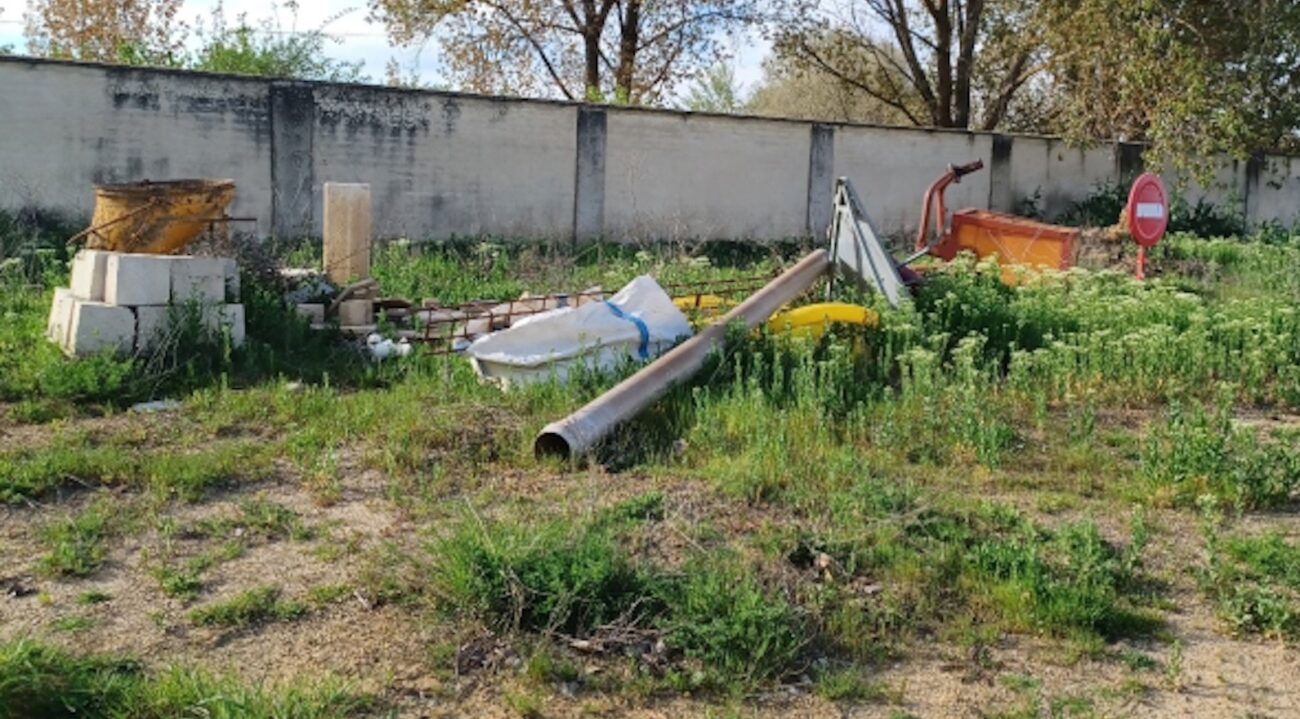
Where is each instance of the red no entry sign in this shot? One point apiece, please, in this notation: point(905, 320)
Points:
point(1148, 210)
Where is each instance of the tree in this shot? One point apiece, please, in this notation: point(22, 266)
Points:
point(269, 50)
point(943, 63)
point(1191, 77)
point(105, 30)
point(794, 88)
point(716, 91)
point(634, 51)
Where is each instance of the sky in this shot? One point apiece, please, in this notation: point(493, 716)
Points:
point(357, 38)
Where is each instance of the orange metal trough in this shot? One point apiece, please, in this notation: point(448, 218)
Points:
point(1014, 241)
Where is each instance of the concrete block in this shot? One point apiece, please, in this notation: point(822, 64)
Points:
point(56, 330)
point(198, 279)
point(313, 312)
point(152, 324)
point(347, 227)
point(88, 274)
point(230, 270)
point(221, 318)
point(98, 327)
point(131, 280)
point(356, 312)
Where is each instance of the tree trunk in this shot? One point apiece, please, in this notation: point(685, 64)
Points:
point(970, 19)
point(943, 63)
point(591, 29)
point(629, 38)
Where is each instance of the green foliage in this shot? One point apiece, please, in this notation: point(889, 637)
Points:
point(1253, 581)
point(719, 616)
point(575, 578)
point(270, 50)
point(32, 473)
point(40, 681)
point(848, 685)
point(1103, 206)
point(715, 91)
point(560, 577)
point(254, 606)
point(1196, 452)
point(77, 543)
point(1194, 79)
point(1065, 581)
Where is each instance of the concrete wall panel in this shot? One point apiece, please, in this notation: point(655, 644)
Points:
point(67, 127)
point(891, 169)
point(1059, 173)
point(671, 176)
point(443, 165)
point(1275, 197)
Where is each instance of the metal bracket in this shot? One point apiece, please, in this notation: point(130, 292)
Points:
point(856, 247)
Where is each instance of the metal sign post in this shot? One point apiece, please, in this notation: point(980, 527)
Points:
point(1147, 216)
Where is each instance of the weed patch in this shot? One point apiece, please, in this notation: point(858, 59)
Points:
point(1197, 452)
point(252, 607)
point(77, 543)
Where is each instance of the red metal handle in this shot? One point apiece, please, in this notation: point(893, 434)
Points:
point(960, 171)
point(934, 198)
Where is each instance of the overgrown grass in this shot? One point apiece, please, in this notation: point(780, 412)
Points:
point(1198, 451)
point(1253, 581)
point(858, 453)
point(40, 681)
point(30, 473)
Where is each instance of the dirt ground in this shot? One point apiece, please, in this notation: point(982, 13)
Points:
point(1193, 668)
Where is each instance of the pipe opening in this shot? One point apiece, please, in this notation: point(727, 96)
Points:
point(551, 444)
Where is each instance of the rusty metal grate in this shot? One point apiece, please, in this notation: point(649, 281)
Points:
point(443, 330)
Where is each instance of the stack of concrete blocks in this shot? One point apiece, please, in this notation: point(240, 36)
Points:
point(123, 303)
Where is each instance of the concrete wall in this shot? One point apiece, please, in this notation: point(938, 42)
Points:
point(1058, 173)
point(446, 164)
point(892, 168)
point(66, 127)
point(683, 176)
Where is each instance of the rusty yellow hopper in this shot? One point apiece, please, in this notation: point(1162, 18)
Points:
point(156, 217)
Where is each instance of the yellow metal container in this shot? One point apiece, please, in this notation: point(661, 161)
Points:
point(157, 218)
point(811, 320)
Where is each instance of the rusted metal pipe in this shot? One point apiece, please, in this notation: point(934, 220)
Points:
point(580, 431)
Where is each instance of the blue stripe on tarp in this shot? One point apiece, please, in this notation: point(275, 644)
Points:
point(642, 351)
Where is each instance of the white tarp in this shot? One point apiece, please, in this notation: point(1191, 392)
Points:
point(639, 322)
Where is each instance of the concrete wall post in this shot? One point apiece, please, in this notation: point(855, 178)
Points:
point(1250, 193)
point(293, 120)
point(821, 180)
point(1000, 181)
point(1128, 162)
point(589, 181)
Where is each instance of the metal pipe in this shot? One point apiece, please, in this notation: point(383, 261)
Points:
point(581, 430)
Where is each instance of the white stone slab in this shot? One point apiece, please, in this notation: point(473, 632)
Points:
point(56, 330)
point(98, 327)
point(131, 280)
point(88, 274)
point(198, 279)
